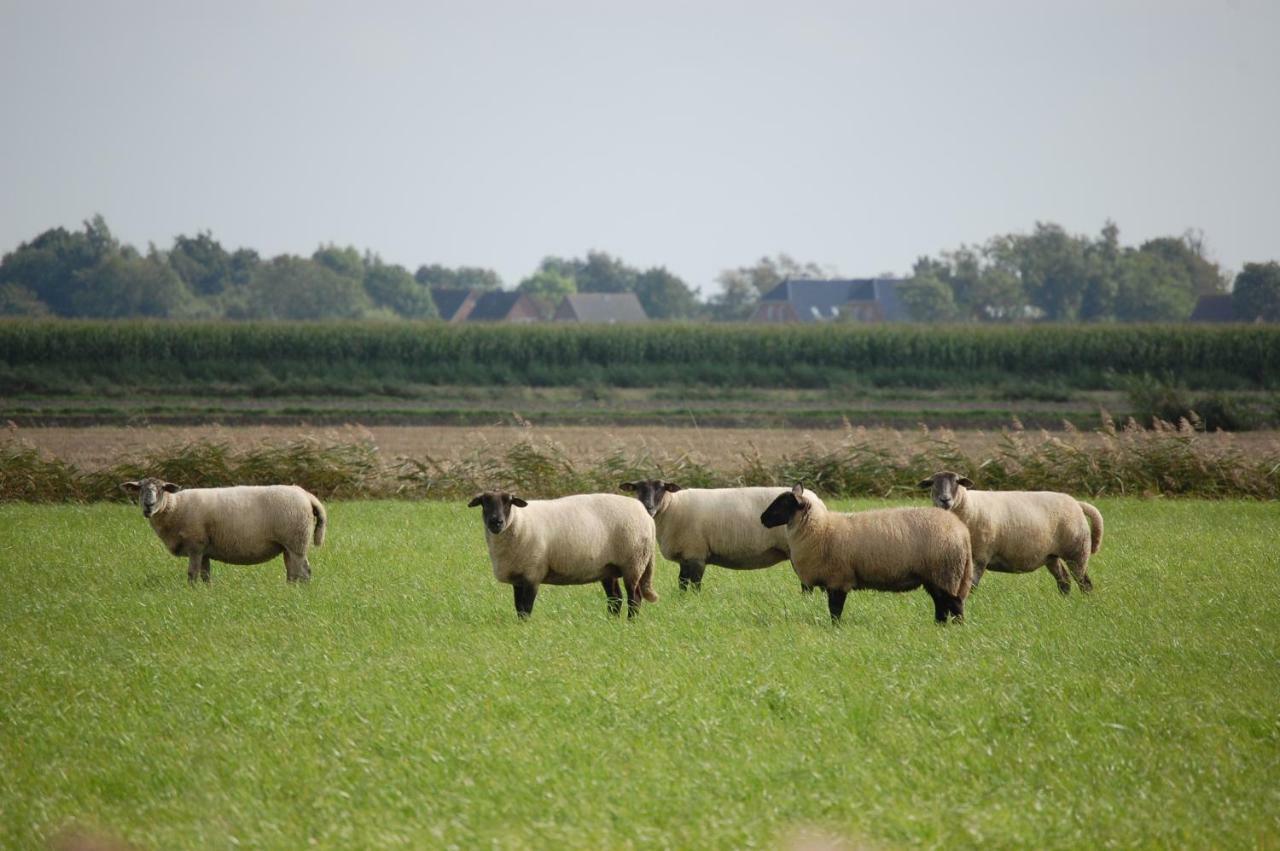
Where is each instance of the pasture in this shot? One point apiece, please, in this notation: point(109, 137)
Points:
point(396, 701)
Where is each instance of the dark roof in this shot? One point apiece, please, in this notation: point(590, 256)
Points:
point(494, 305)
point(815, 300)
point(602, 307)
point(448, 300)
point(1213, 308)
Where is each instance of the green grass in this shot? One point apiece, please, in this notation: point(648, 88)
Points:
point(397, 702)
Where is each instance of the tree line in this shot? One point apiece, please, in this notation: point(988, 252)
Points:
point(1048, 274)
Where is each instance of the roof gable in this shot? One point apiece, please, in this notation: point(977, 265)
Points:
point(602, 307)
point(816, 300)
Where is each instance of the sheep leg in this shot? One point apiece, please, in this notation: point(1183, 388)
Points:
point(633, 598)
point(613, 594)
point(955, 606)
point(295, 567)
point(193, 567)
point(941, 603)
point(1054, 564)
point(204, 568)
point(1079, 569)
point(691, 574)
point(835, 603)
point(979, 568)
point(524, 595)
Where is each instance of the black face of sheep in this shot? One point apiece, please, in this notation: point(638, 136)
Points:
point(650, 492)
point(786, 506)
point(943, 485)
point(496, 506)
point(150, 493)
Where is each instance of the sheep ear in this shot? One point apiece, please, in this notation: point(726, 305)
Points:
point(170, 487)
point(797, 490)
point(628, 486)
point(964, 481)
point(671, 487)
point(474, 501)
point(518, 502)
point(130, 487)
point(927, 484)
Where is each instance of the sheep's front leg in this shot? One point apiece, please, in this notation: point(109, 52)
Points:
point(691, 574)
point(613, 594)
point(194, 562)
point(835, 603)
point(204, 568)
point(524, 596)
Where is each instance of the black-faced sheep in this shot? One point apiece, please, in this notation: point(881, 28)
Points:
point(573, 540)
point(1018, 531)
point(236, 525)
point(892, 549)
point(721, 526)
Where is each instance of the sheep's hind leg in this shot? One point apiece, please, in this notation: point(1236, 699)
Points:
point(204, 569)
point(941, 603)
point(296, 568)
point(691, 574)
point(1079, 569)
point(978, 570)
point(1054, 564)
point(613, 594)
point(524, 596)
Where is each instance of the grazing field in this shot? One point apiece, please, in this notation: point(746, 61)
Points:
point(397, 702)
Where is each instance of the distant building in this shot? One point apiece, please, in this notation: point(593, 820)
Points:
point(814, 300)
point(453, 305)
point(1213, 308)
point(503, 306)
point(608, 308)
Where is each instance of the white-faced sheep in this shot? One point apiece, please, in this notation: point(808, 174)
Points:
point(1018, 531)
point(572, 540)
point(236, 525)
point(721, 526)
point(892, 549)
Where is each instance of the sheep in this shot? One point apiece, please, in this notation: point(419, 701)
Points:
point(697, 527)
point(236, 525)
point(892, 549)
point(1018, 531)
point(573, 540)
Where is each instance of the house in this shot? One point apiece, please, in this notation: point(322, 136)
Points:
point(503, 306)
point(814, 300)
point(607, 308)
point(454, 305)
point(1213, 308)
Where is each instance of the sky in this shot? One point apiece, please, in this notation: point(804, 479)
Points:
point(698, 136)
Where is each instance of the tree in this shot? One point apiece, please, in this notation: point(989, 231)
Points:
point(664, 295)
point(125, 284)
point(461, 278)
point(928, 298)
point(291, 287)
point(17, 300)
point(742, 287)
point(547, 287)
point(1103, 282)
point(342, 261)
point(201, 262)
point(392, 287)
point(1153, 289)
point(1187, 251)
point(49, 265)
point(1053, 269)
point(1257, 293)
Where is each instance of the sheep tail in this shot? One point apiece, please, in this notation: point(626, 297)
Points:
point(1095, 526)
point(646, 582)
point(322, 520)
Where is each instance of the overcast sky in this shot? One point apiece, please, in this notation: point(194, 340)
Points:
point(695, 135)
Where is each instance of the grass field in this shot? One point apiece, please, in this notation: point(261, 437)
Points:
point(397, 702)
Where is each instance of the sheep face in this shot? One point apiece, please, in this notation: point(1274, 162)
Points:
point(650, 492)
point(784, 508)
point(496, 507)
point(152, 493)
point(945, 488)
